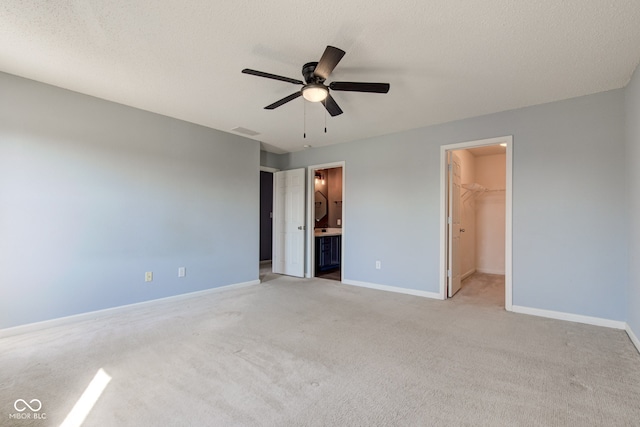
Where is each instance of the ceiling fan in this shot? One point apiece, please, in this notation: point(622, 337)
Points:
point(315, 74)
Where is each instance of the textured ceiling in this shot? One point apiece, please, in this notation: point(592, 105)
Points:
point(445, 59)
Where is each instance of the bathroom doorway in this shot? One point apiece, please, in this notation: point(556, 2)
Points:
point(325, 221)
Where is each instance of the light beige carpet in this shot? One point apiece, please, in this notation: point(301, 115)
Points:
point(295, 352)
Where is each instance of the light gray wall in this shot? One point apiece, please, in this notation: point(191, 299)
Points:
point(270, 160)
point(93, 194)
point(632, 98)
point(569, 209)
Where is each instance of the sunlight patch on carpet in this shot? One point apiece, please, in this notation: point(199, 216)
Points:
point(89, 398)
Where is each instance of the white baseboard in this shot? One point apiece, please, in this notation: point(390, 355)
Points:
point(632, 336)
point(578, 318)
point(97, 314)
point(407, 291)
point(489, 271)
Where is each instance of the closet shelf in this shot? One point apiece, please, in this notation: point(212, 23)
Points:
point(476, 189)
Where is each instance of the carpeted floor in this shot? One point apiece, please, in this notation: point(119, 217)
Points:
point(293, 352)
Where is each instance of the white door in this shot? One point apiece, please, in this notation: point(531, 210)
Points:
point(453, 264)
point(288, 204)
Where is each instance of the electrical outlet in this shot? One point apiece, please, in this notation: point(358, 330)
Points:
point(148, 276)
point(378, 265)
point(182, 271)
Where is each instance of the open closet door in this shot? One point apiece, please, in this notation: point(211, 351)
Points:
point(453, 220)
point(288, 215)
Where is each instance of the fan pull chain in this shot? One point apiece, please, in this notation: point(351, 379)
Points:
point(304, 108)
point(325, 115)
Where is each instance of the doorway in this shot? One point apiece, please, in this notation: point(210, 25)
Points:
point(325, 221)
point(266, 220)
point(266, 215)
point(476, 216)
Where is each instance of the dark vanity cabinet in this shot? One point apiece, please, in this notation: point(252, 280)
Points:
point(328, 252)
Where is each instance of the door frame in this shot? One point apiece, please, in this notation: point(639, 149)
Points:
point(272, 171)
point(268, 169)
point(311, 247)
point(508, 233)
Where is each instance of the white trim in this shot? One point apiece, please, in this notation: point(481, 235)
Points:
point(508, 254)
point(415, 292)
point(508, 229)
point(632, 336)
point(443, 222)
point(268, 169)
point(310, 244)
point(478, 143)
point(274, 212)
point(98, 314)
point(578, 318)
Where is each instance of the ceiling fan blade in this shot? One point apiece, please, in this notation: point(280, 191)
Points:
point(271, 76)
point(360, 87)
point(283, 101)
point(330, 58)
point(331, 106)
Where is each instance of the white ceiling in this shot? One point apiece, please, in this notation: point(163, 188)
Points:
point(445, 59)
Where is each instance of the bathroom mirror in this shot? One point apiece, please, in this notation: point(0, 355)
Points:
point(321, 205)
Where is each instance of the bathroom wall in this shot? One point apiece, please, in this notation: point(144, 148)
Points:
point(335, 197)
point(322, 185)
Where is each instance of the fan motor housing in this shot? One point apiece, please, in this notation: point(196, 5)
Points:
point(307, 73)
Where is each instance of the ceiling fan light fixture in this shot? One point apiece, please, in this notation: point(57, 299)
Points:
point(315, 92)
